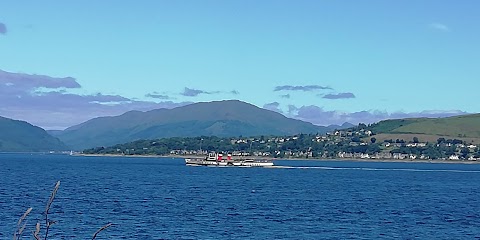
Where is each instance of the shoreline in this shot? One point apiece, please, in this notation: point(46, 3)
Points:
point(296, 159)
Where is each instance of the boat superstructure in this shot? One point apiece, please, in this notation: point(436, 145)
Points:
point(218, 160)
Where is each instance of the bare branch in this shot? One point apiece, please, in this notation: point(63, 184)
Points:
point(37, 231)
point(49, 204)
point(20, 228)
point(101, 229)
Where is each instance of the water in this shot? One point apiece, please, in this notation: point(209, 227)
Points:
point(160, 198)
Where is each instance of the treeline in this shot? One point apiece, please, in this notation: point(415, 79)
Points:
point(303, 145)
point(265, 145)
point(436, 152)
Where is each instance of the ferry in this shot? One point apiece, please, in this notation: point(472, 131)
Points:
point(218, 160)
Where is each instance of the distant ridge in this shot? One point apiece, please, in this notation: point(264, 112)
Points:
point(217, 118)
point(20, 136)
point(343, 126)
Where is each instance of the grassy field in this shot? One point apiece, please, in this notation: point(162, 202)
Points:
point(465, 127)
point(407, 137)
point(462, 126)
point(391, 125)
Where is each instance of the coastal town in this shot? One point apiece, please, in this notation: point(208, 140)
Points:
point(353, 143)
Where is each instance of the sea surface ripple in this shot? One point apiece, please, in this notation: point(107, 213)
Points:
point(161, 198)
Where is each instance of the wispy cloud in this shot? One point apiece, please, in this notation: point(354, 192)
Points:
point(43, 101)
point(274, 106)
point(3, 29)
point(234, 92)
point(285, 96)
point(190, 92)
point(339, 96)
point(439, 27)
point(21, 82)
point(157, 96)
point(317, 115)
point(305, 88)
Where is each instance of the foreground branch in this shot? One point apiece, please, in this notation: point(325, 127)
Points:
point(101, 229)
point(20, 228)
point(49, 204)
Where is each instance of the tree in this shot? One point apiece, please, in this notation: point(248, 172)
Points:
point(415, 140)
point(374, 148)
point(373, 140)
point(432, 152)
point(449, 151)
point(477, 153)
point(464, 152)
point(457, 141)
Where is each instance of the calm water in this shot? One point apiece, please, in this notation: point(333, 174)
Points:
point(155, 198)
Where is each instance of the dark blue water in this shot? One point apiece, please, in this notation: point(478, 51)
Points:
point(160, 198)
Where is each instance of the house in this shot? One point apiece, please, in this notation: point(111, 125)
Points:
point(416, 145)
point(454, 157)
point(400, 156)
point(364, 155)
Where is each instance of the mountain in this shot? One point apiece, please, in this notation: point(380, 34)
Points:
point(466, 127)
point(54, 132)
point(20, 136)
point(339, 127)
point(218, 118)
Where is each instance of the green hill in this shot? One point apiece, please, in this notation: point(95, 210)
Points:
point(219, 118)
point(464, 127)
point(20, 136)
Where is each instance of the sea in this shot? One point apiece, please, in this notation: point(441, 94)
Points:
point(161, 198)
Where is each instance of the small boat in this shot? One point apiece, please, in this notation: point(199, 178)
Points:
point(218, 160)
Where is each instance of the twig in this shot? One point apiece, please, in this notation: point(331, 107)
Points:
point(48, 223)
point(101, 229)
point(18, 233)
point(37, 231)
point(49, 203)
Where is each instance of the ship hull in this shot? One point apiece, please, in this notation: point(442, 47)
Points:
point(225, 163)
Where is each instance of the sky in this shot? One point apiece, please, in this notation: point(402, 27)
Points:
point(321, 61)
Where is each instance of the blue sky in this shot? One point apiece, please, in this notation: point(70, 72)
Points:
point(327, 62)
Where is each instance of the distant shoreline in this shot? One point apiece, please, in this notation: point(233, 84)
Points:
point(293, 159)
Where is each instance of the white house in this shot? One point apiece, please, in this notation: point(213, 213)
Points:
point(453, 157)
